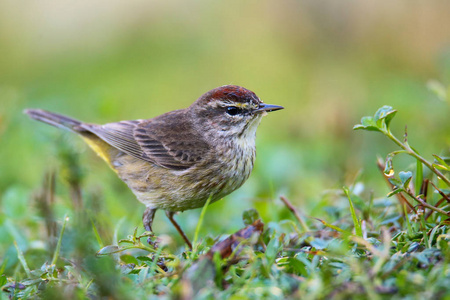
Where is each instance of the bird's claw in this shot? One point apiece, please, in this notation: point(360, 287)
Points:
point(151, 238)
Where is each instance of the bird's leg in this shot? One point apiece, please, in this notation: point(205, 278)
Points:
point(170, 214)
point(147, 219)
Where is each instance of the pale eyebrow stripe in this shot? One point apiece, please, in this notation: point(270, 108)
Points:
point(221, 103)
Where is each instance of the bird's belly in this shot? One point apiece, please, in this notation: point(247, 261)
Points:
point(166, 189)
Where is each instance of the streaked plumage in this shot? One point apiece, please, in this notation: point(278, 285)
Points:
point(177, 160)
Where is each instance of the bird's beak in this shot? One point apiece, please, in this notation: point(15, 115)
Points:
point(267, 108)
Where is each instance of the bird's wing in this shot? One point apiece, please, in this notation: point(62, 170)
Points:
point(171, 141)
point(119, 135)
point(168, 142)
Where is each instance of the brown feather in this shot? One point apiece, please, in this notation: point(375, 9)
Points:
point(171, 141)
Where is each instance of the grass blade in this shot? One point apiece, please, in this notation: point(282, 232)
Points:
point(356, 223)
point(419, 176)
point(58, 246)
point(22, 259)
point(200, 221)
point(97, 235)
point(333, 227)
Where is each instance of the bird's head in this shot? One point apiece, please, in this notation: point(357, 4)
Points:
point(229, 111)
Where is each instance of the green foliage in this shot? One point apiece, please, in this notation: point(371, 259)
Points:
point(396, 251)
point(379, 122)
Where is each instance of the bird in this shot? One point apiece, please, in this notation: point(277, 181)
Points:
point(178, 160)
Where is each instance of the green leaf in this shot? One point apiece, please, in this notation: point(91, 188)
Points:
point(405, 178)
point(3, 280)
point(442, 164)
point(413, 247)
point(249, 216)
point(367, 123)
point(293, 265)
point(397, 183)
point(145, 259)
point(109, 250)
point(129, 259)
point(441, 167)
point(272, 249)
point(384, 114)
point(319, 244)
point(396, 191)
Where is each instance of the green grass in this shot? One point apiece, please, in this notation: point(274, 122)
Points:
point(363, 247)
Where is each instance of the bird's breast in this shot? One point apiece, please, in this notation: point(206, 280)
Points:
point(236, 162)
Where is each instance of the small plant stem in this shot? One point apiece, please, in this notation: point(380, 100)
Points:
point(345, 233)
point(88, 285)
point(142, 247)
point(417, 156)
point(423, 203)
point(408, 223)
point(436, 205)
point(295, 212)
point(444, 196)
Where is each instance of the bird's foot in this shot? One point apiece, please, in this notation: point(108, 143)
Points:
point(147, 219)
point(152, 239)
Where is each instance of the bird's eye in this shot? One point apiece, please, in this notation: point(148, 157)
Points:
point(232, 110)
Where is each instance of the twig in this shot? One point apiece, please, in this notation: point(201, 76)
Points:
point(295, 212)
point(441, 192)
point(437, 205)
point(411, 152)
point(423, 203)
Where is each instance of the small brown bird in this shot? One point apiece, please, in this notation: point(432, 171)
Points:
point(177, 160)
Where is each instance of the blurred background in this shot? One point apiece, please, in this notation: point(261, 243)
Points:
point(327, 62)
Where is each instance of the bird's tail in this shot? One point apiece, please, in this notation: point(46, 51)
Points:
point(102, 148)
point(57, 120)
